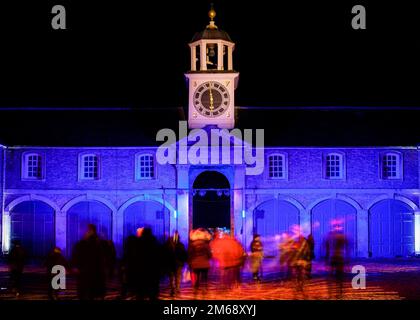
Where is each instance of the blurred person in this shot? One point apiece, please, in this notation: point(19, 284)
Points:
point(139, 232)
point(54, 258)
point(89, 258)
point(257, 254)
point(110, 257)
point(286, 246)
point(300, 261)
point(311, 244)
point(199, 255)
point(230, 255)
point(16, 261)
point(148, 265)
point(299, 258)
point(127, 270)
point(337, 254)
point(241, 256)
point(175, 258)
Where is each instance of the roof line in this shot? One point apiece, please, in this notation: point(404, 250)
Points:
point(339, 108)
point(87, 108)
point(268, 148)
point(75, 108)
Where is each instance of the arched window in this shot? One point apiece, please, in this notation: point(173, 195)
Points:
point(145, 167)
point(32, 166)
point(89, 167)
point(334, 166)
point(391, 165)
point(277, 166)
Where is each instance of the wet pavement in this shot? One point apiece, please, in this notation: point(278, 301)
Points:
point(392, 279)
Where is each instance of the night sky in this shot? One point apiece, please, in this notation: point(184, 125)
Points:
point(132, 55)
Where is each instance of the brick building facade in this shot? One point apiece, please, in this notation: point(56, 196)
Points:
point(53, 206)
point(50, 194)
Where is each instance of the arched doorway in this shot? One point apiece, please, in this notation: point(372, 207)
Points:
point(211, 201)
point(326, 215)
point(273, 218)
point(32, 222)
point(391, 229)
point(146, 214)
point(87, 212)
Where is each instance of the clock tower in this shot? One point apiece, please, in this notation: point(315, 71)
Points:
point(211, 79)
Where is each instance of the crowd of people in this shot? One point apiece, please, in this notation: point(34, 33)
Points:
point(146, 261)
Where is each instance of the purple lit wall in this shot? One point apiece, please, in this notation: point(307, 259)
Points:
point(371, 205)
point(4, 236)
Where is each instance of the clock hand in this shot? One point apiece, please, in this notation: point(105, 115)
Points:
point(211, 99)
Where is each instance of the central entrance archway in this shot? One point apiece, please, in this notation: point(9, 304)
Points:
point(211, 202)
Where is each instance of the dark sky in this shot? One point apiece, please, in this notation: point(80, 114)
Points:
point(133, 55)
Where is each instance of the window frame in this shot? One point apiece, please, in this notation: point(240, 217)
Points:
point(399, 165)
point(285, 168)
point(342, 167)
point(137, 170)
point(24, 166)
point(81, 171)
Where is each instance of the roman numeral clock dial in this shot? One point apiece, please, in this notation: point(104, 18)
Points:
point(211, 99)
point(212, 80)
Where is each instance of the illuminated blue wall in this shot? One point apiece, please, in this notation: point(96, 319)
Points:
point(2, 150)
point(303, 192)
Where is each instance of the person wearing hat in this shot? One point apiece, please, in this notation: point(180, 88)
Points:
point(199, 255)
point(257, 255)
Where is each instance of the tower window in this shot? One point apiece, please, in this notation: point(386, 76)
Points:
point(277, 166)
point(32, 166)
point(334, 166)
point(89, 167)
point(145, 168)
point(391, 164)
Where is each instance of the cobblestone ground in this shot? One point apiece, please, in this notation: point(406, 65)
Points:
point(386, 280)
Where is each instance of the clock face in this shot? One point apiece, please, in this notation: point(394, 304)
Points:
point(211, 99)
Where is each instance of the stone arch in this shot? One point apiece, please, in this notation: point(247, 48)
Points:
point(143, 197)
point(227, 171)
point(342, 197)
point(273, 217)
point(392, 227)
point(119, 223)
point(212, 209)
point(407, 201)
point(401, 198)
point(82, 198)
point(31, 197)
point(334, 211)
point(31, 220)
point(106, 224)
point(293, 201)
point(145, 212)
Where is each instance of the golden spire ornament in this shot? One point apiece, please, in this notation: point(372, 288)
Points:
point(212, 15)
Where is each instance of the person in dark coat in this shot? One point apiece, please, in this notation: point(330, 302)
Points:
point(148, 263)
point(199, 255)
point(110, 257)
point(54, 258)
point(175, 257)
point(311, 243)
point(89, 257)
point(16, 261)
point(300, 259)
point(337, 255)
point(128, 266)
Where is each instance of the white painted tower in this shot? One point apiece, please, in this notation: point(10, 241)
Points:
point(211, 79)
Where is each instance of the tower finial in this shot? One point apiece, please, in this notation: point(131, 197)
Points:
point(212, 15)
point(212, 12)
